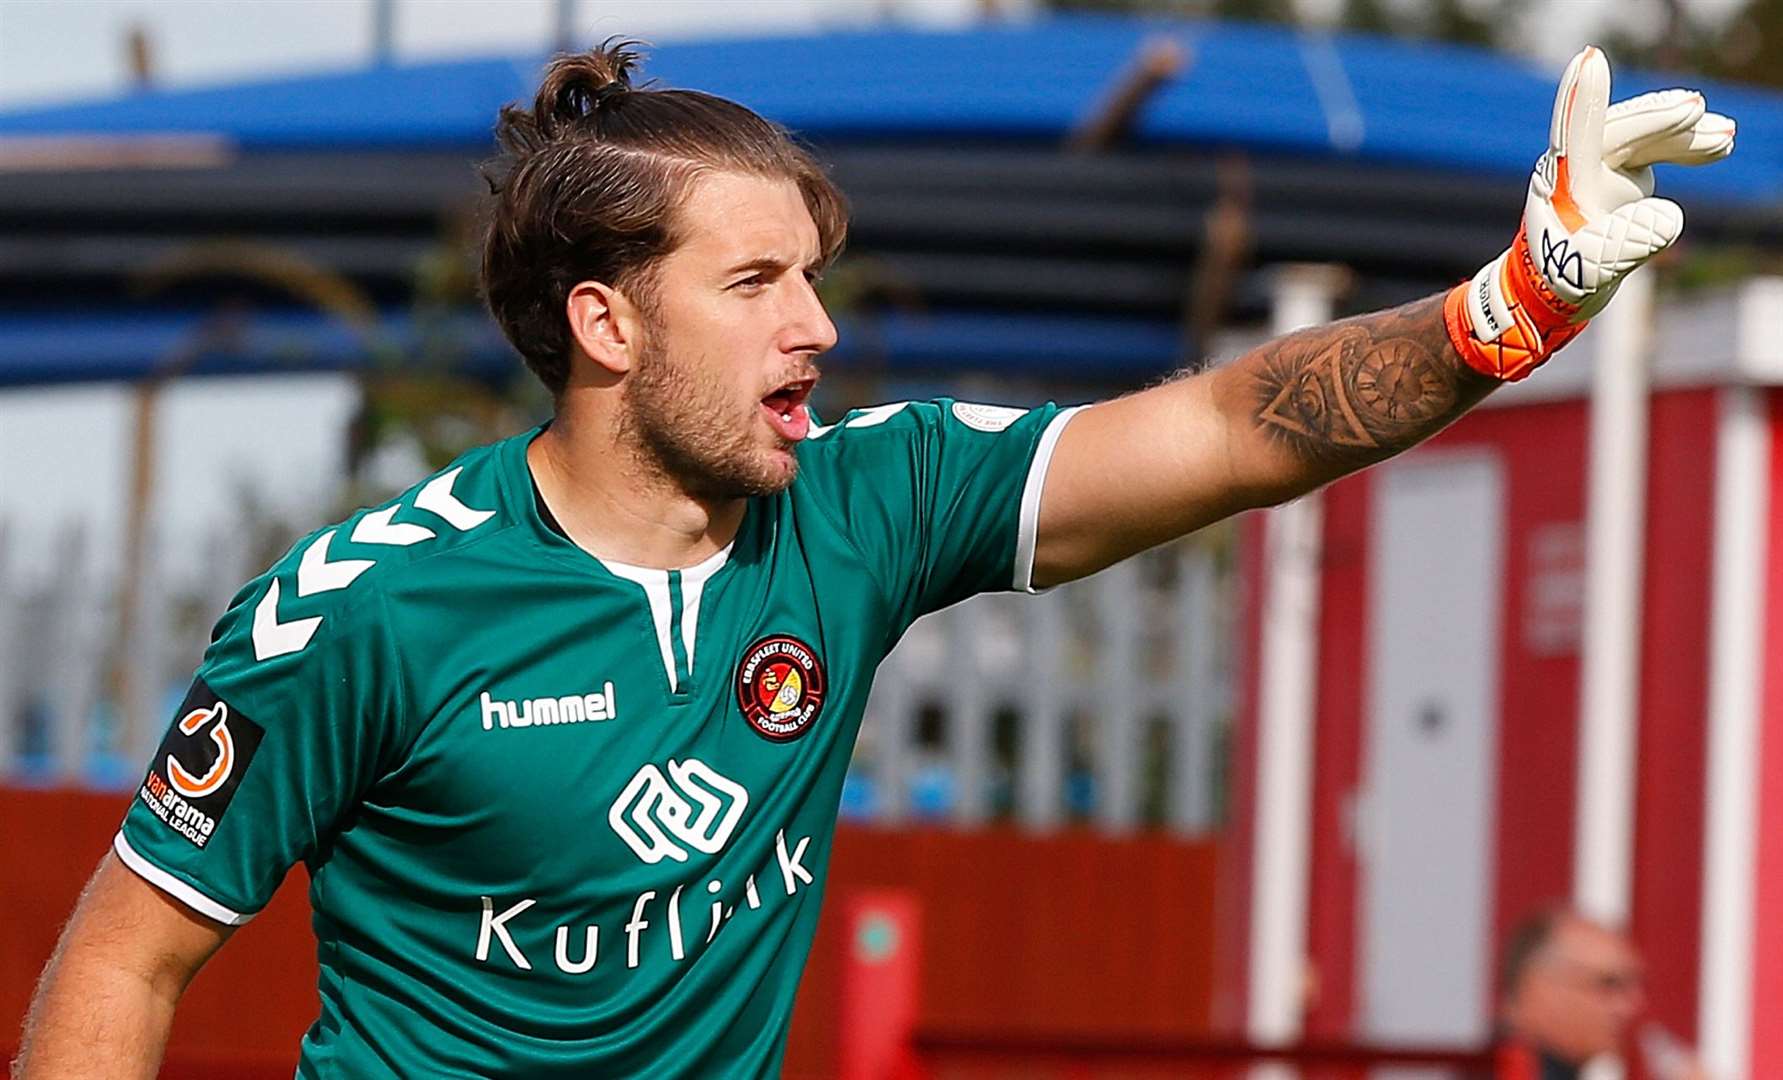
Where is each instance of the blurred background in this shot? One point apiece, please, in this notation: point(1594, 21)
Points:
point(1271, 798)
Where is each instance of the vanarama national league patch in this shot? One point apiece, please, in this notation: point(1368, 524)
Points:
point(780, 687)
point(196, 771)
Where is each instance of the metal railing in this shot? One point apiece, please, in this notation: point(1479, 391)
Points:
point(1105, 700)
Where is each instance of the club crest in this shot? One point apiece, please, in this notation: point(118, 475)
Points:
point(780, 687)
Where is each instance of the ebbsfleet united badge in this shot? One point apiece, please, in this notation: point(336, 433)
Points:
point(780, 687)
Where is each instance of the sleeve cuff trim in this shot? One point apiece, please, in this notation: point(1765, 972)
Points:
point(1028, 531)
point(174, 887)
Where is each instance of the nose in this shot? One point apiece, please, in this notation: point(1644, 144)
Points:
point(809, 326)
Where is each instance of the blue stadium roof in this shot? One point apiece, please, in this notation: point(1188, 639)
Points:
point(1350, 98)
point(1264, 88)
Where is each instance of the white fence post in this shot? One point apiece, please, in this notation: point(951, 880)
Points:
point(1195, 695)
point(1040, 795)
point(145, 660)
point(892, 717)
point(77, 616)
point(1114, 712)
point(968, 716)
point(12, 603)
point(1303, 296)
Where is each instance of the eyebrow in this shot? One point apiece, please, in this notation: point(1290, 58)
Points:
point(765, 262)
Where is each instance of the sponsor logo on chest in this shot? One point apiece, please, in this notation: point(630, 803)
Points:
point(659, 814)
point(694, 807)
point(543, 711)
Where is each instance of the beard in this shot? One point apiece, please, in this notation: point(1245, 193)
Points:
point(688, 429)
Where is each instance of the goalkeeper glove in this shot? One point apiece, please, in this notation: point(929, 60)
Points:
point(1590, 218)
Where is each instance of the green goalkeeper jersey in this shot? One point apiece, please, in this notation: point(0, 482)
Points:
point(564, 816)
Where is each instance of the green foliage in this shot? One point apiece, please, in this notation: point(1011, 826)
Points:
point(1190, 8)
point(1698, 269)
point(1270, 11)
point(1745, 45)
point(1491, 23)
point(1370, 17)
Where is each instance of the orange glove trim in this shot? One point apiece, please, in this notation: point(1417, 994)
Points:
point(1541, 322)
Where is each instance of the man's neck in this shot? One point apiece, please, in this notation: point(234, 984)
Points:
point(615, 510)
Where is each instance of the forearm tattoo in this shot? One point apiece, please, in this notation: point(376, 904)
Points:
point(1355, 392)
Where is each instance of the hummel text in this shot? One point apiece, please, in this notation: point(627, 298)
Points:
point(534, 712)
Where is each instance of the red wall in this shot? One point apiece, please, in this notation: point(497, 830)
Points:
point(1069, 935)
point(50, 841)
point(1669, 809)
point(1542, 449)
point(1232, 898)
point(1337, 757)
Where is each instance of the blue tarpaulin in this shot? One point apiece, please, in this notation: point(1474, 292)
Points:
point(1341, 97)
point(1265, 88)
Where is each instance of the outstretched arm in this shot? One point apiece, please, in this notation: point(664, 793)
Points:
point(1281, 420)
point(1304, 409)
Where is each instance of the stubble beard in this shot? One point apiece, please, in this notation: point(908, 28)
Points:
point(685, 429)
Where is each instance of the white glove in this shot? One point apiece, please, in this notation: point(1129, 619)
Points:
point(1590, 218)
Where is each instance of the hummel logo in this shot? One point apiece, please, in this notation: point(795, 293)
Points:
point(536, 712)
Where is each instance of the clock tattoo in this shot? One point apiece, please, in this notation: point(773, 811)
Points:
point(1395, 381)
point(1357, 391)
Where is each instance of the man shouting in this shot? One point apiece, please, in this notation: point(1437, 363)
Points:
point(560, 733)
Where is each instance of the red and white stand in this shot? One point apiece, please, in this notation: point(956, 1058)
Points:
point(1512, 691)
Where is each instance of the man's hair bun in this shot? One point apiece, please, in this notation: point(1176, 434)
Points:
point(577, 89)
point(580, 86)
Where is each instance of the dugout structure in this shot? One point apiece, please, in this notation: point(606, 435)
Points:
point(1449, 601)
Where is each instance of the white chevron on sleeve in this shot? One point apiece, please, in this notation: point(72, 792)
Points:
point(274, 638)
point(870, 417)
point(377, 528)
point(876, 415)
point(316, 574)
point(436, 496)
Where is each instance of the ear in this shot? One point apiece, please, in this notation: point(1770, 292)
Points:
point(605, 325)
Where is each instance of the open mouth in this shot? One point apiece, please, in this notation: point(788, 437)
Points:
point(786, 411)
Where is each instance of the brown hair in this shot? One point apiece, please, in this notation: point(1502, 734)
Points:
point(1525, 941)
point(587, 186)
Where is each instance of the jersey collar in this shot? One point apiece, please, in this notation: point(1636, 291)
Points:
point(521, 494)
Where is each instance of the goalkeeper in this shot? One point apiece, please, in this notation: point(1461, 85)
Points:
point(560, 733)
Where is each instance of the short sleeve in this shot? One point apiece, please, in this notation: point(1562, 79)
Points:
point(290, 717)
point(942, 498)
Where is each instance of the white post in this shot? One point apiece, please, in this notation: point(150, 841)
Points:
point(1615, 514)
point(892, 727)
point(968, 718)
point(563, 34)
point(1040, 794)
point(1117, 699)
point(78, 622)
point(1736, 625)
point(12, 630)
point(1195, 689)
point(1304, 295)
